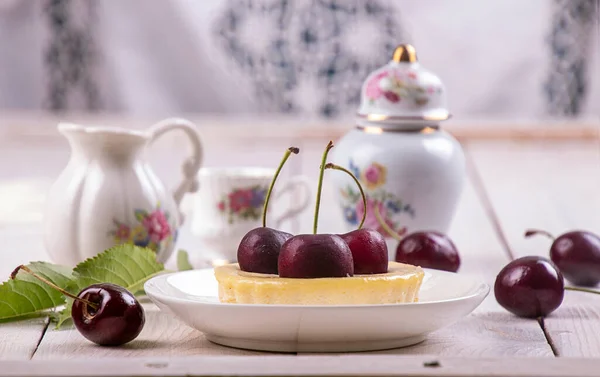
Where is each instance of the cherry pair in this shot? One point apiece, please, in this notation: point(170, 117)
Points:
point(271, 251)
point(534, 286)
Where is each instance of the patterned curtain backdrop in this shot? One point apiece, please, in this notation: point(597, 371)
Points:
point(324, 48)
point(573, 25)
point(70, 56)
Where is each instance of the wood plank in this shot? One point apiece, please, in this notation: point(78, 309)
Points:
point(323, 365)
point(163, 336)
point(19, 340)
point(489, 331)
point(551, 186)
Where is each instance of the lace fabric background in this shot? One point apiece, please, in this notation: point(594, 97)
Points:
point(498, 58)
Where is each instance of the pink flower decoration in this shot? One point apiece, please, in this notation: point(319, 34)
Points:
point(157, 226)
point(412, 75)
point(373, 91)
point(240, 199)
point(221, 206)
point(392, 97)
point(372, 174)
point(371, 220)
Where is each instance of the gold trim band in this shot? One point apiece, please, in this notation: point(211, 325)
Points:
point(381, 117)
point(380, 130)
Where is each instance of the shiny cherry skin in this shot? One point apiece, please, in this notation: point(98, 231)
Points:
point(369, 251)
point(530, 287)
point(428, 249)
point(577, 255)
point(118, 320)
point(315, 256)
point(259, 250)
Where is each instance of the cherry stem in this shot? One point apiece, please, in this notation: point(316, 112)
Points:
point(287, 154)
point(534, 232)
point(579, 289)
point(383, 224)
point(362, 193)
point(13, 275)
point(320, 186)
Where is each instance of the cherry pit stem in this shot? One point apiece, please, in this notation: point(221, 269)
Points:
point(320, 186)
point(534, 232)
point(13, 275)
point(383, 224)
point(362, 193)
point(287, 154)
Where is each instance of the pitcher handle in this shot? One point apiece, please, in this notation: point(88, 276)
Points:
point(192, 164)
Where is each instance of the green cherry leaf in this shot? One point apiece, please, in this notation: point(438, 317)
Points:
point(25, 296)
point(183, 261)
point(126, 265)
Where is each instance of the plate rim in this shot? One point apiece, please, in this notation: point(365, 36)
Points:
point(483, 290)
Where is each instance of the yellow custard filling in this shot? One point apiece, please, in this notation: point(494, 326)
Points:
point(400, 284)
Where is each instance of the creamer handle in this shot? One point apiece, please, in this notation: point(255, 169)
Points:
point(191, 164)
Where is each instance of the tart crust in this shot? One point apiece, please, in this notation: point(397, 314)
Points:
point(400, 284)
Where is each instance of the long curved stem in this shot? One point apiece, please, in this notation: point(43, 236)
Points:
point(287, 154)
point(13, 275)
point(579, 289)
point(384, 225)
point(320, 186)
point(362, 193)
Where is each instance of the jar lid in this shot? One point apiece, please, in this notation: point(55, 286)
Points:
point(403, 91)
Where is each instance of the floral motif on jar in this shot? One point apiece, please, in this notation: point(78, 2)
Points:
point(373, 179)
point(243, 203)
point(152, 229)
point(399, 85)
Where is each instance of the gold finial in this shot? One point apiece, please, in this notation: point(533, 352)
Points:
point(405, 53)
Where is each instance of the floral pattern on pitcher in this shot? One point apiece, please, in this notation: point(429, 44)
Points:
point(373, 178)
point(395, 86)
point(152, 229)
point(243, 203)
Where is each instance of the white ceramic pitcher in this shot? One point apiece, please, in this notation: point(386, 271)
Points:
point(108, 194)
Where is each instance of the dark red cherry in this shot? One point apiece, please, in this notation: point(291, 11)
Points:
point(259, 250)
point(369, 251)
point(530, 287)
point(315, 256)
point(577, 255)
point(428, 250)
point(117, 319)
point(106, 314)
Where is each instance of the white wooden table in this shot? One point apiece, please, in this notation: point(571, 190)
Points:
point(545, 178)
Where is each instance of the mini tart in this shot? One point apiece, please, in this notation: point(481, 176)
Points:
point(400, 284)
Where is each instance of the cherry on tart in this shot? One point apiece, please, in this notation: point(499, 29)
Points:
point(259, 249)
point(106, 314)
point(368, 246)
point(577, 255)
point(316, 255)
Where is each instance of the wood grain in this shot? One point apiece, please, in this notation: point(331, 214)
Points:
point(551, 186)
point(489, 331)
point(19, 340)
point(162, 336)
point(322, 365)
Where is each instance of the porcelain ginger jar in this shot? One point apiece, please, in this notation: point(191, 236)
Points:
point(411, 170)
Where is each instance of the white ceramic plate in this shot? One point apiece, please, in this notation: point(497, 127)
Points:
point(192, 296)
